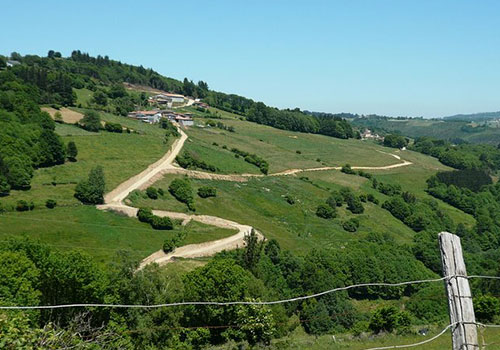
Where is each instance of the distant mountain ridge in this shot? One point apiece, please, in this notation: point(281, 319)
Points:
point(483, 116)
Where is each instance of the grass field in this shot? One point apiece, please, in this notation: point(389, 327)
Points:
point(83, 96)
point(282, 149)
point(121, 156)
point(300, 340)
point(260, 202)
point(101, 234)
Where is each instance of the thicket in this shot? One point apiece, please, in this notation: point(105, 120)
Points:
point(158, 223)
point(27, 137)
point(395, 141)
point(113, 127)
point(462, 156)
point(189, 160)
point(181, 189)
point(91, 121)
point(207, 191)
point(254, 159)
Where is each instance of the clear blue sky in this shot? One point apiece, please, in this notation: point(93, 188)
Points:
point(416, 58)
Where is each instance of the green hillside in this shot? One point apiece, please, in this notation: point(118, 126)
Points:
point(447, 129)
point(291, 176)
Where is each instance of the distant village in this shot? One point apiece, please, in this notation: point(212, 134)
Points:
point(163, 108)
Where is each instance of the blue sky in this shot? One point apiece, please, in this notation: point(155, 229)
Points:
point(415, 58)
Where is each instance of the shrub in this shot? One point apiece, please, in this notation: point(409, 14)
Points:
point(145, 215)
point(161, 192)
point(351, 225)
point(325, 211)
point(113, 127)
point(188, 161)
point(182, 191)
point(289, 199)
point(207, 191)
point(335, 199)
point(363, 174)
point(161, 223)
point(170, 244)
point(362, 197)
point(50, 203)
point(347, 170)
point(371, 198)
point(152, 192)
point(23, 205)
point(388, 319)
point(298, 152)
point(354, 204)
point(486, 308)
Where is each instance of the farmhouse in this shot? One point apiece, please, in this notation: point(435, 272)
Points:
point(166, 99)
point(150, 117)
point(367, 134)
point(12, 63)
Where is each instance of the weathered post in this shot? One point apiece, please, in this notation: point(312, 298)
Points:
point(463, 330)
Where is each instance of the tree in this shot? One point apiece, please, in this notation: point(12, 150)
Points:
point(91, 121)
point(52, 150)
point(19, 279)
point(152, 192)
point(91, 191)
point(395, 141)
point(4, 186)
point(58, 117)
point(253, 250)
point(354, 204)
point(100, 98)
point(325, 211)
point(50, 54)
point(3, 62)
point(71, 151)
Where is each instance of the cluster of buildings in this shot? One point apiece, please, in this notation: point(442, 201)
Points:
point(367, 134)
point(167, 99)
point(155, 116)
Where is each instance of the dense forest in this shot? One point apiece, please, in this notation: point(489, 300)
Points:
point(27, 137)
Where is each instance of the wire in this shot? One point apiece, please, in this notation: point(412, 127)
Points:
point(415, 344)
point(215, 303)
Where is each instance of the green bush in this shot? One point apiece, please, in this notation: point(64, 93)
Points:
point(23, 205)
point(152, 193)
point(389, 319)
point(354, 204)
point(351, 225)
point(145, 215)
point(161, 223)
point(486, 308)
point(325, 211)
point(71, 151)
point(347, 170)
point(335, 200)
point(207, 191)
point(289, 199)
point(50, 203)
point(170, 244)
point(182, 191)
point(113, 127)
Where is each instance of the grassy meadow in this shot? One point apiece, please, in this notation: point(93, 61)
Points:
point(100, 234)
point(282, 149)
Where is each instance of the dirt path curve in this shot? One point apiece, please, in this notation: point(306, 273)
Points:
point(114, 202)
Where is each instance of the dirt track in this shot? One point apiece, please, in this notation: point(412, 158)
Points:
point(165, 165)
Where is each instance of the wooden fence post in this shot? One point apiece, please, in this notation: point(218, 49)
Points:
point(463, 331)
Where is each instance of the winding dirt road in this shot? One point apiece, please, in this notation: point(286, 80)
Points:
point(114, 202)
